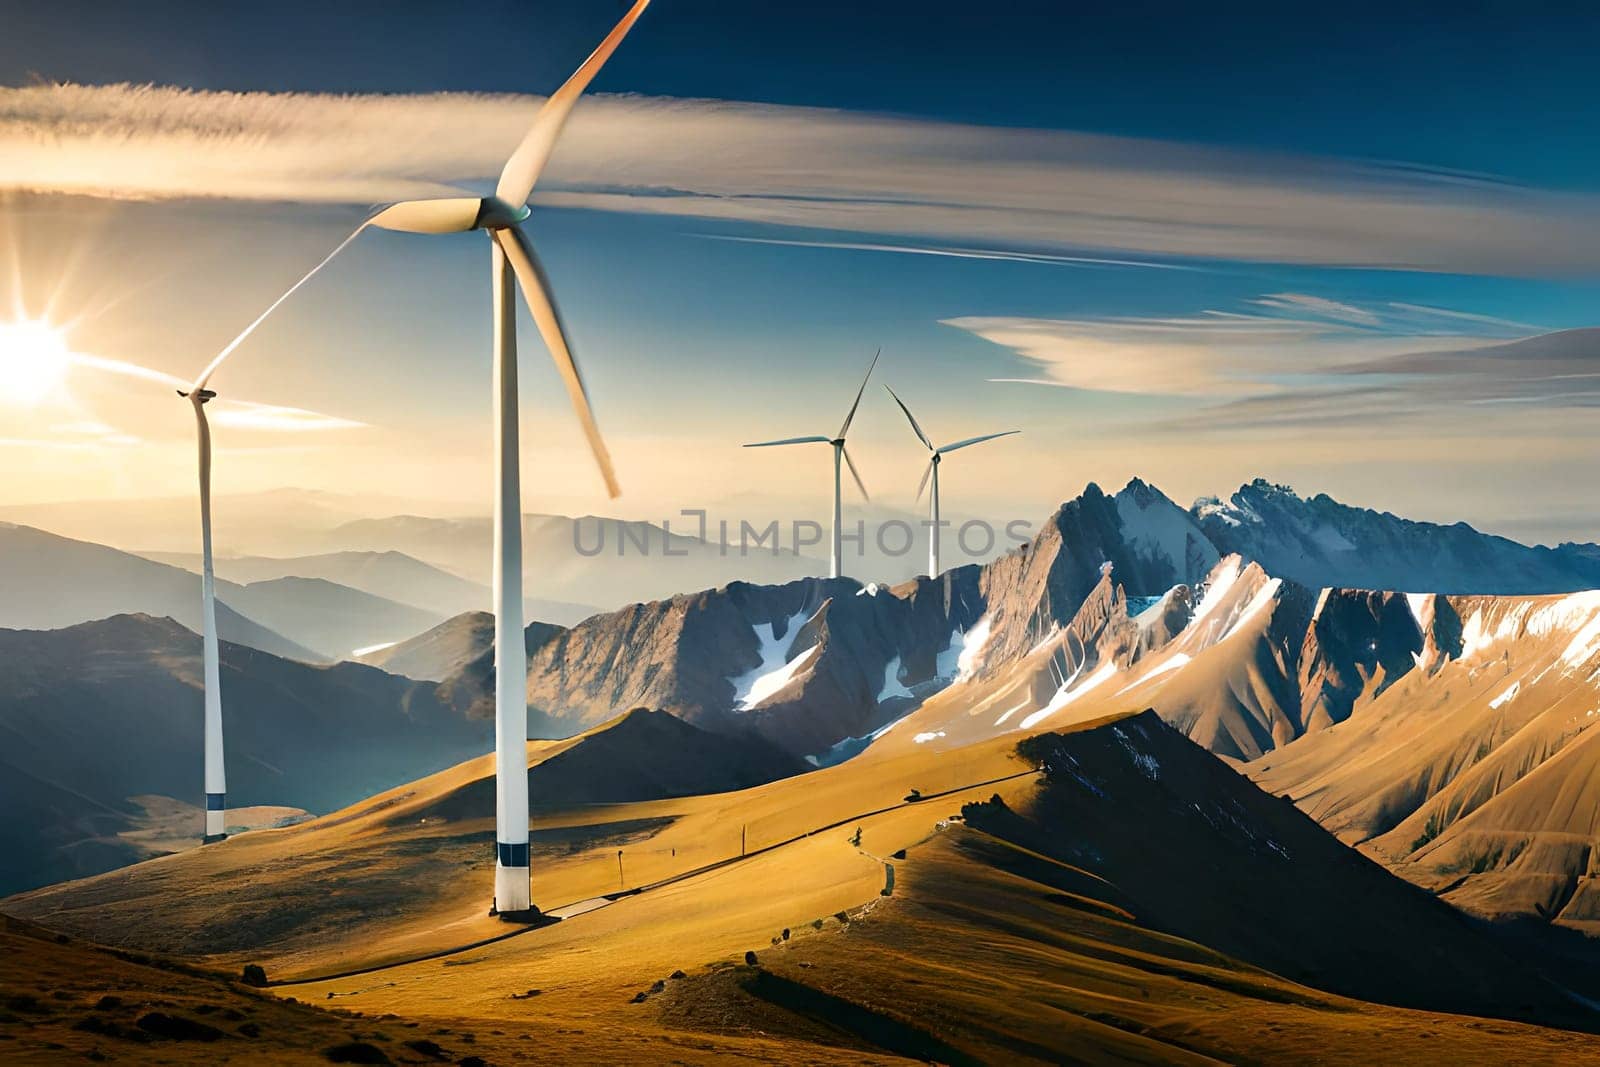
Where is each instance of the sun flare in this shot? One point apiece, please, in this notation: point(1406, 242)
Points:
point(34, 358)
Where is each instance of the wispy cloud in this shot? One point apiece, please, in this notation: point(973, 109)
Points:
point(1028, 191)
point(1212, 353)
point(224, 411)
point(1042, 258)
point(1551, 370)
point(244, 415)
point(1333, 364)
point(1422, 313)
point(1301, 303)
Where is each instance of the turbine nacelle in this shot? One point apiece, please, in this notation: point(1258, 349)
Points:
point(450, 215)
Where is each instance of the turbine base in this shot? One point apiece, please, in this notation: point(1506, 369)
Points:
point(512, 891)
point(216, 817)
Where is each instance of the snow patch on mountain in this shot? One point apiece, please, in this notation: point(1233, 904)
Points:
point(1067, 694)
point(1421, 605)
point(1001, 721)
point(1176, 661)
point(1264, 596)
point(1216, 590)
point(1569, 613)
point(964, 655)
point(1146, 611)
point(775, 669)
point(972, 646)
point(775, 681)
point(1585, 645)
point(1508, 695)
point(892, 686)
point(1157, 529)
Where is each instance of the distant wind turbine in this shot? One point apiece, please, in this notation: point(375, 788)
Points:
point(216, 779)
point(839, 452)
point(932, 471)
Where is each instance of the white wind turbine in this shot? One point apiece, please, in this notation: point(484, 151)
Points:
point(839, 452)
point(513, 264)
point(932, 471)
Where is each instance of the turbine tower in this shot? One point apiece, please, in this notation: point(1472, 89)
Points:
point(932, 472)
point(514, 265)
point(839, 453)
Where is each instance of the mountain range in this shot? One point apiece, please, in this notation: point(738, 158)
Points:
point(95, 716)
point(1130, 600)
point(1190, 776)
point(1125, 601)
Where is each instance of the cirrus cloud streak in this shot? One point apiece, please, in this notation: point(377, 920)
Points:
point(850, 172)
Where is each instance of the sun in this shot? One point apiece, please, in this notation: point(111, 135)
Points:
point(34, 358)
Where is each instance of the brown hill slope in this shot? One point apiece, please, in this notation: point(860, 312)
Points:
point(285, 889)
point(1062, 922)
point(1452, 735)
point(990, 953)
point(1198, 851)
point(65, 1001)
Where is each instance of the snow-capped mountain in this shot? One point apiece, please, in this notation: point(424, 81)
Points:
point(815, 664)
point(1453, 738)
point(1320, 542)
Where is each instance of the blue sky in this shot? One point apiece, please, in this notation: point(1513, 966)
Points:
point(1347, 185)
point(1500, 89)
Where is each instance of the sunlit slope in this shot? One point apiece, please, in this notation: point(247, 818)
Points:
point(1476, 774)
point(1126, 908)
point(409, 870)
point(1077, 919)
point(67, 1001)
point(990, 954)
point(1455, 735)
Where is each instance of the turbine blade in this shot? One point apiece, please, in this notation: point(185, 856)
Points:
point(848, 462)
point(452, 215)
point(848, 418)
point(536, 293)
point(926, 473)
point(211, 368)
point(793, 441)
point(522, 170)
point(913, 420)
point(977, 440)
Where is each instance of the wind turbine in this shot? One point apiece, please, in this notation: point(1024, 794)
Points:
point(839, 452)
point(932, 471)
point(514, 264)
